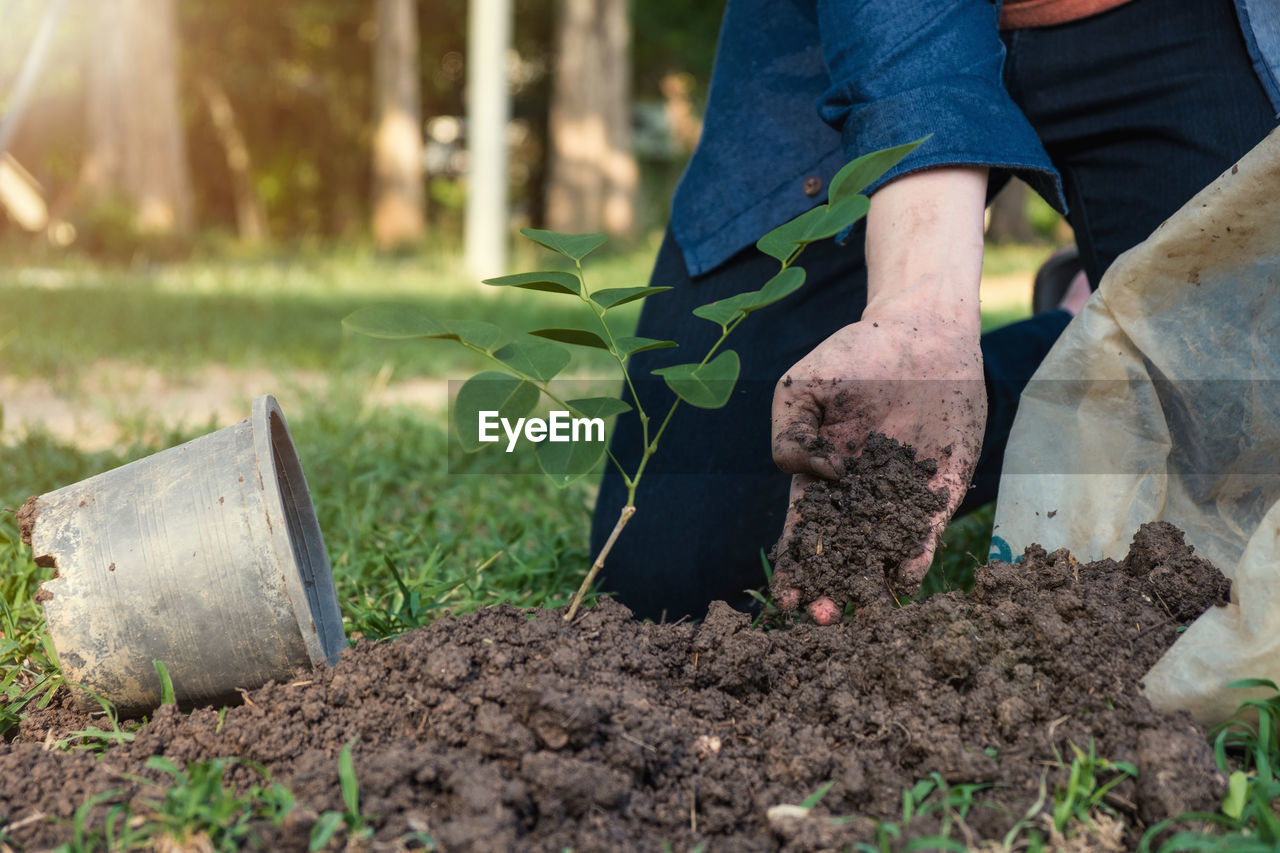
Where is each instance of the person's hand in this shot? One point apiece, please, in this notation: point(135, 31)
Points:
point(911, 368)
point(914, 381)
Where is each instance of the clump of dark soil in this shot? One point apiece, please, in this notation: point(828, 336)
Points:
point(26, 518)
point(854, 533)
point(509, 730)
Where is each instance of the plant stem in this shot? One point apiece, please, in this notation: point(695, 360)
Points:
point(627, 511)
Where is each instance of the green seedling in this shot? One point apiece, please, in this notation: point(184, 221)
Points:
point(199, 809)
point(96, 739)
point(932, 795)
point(1089, 780)
point(528, 363)
point(329, 822)
point(166, 684)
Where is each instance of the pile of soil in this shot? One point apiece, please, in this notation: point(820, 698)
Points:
point(510, 730)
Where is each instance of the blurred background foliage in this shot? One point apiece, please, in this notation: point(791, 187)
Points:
point(299, 79)
point(298, 92)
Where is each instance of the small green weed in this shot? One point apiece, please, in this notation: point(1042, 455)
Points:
point(1249, 752)
point(200, 811)
point(357, 824)
point(1089, 780)
point(95, 739)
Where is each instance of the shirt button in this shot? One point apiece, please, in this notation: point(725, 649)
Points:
point(812, 185)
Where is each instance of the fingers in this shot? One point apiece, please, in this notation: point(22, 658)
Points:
point(824, 611)
point(798, 445)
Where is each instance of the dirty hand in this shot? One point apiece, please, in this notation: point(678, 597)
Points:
point(911, 368)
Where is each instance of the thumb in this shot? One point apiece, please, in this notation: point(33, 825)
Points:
point(798, 447)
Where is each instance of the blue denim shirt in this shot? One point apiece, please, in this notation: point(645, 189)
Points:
point(801, 87)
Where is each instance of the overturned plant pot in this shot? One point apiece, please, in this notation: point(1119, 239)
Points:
point(206, 557)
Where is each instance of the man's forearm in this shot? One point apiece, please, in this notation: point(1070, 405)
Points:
point(924, 248)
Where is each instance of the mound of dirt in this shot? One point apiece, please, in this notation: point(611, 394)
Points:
point(509, 730)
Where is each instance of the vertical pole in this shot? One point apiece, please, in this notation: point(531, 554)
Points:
point(489, 24)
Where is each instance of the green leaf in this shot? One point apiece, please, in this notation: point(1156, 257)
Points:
point(490, 391)
point(782, 285)
point(628, 345)
point(548, 282)
point(615, 296)
point(837, 217)
point(718, 313)
point(573, 246)
point(394, 322)
point(726, 310)
point(347, 779)
point(534, 358)
point(475, 332)
point(598, 407)
point(1246, 683)
point(323, 830)
point(401, 322)
point(1237, 790)
point(935, 842)
point(577, 337)
point(860, 173)
point(566, 461)
point(166, 683)
point(706, 386)
point(165, 764)
point(816, 797)
point(783, 240)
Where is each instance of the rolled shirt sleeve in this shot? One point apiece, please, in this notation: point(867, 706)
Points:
point(902, 71)
point(801, 87)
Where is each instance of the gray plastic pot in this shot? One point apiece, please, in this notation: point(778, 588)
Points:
point(206, 557)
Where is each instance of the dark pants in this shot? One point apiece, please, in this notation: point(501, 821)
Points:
point(1139, 108)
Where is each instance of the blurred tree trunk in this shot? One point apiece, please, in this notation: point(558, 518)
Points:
point(136, 147)
point(593, 175)
point(397, 141)
point(251, 219)
point(1009, 223)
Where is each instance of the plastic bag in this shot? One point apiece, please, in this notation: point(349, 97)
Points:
point(1161, 401)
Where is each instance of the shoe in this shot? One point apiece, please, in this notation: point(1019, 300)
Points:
point(1053, 278)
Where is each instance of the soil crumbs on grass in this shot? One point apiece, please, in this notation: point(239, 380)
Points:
point(510, 730)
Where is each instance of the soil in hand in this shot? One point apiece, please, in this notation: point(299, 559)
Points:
point(508, 730)
point(853, 534)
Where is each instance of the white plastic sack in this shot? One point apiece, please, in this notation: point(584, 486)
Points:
point(1161, 401)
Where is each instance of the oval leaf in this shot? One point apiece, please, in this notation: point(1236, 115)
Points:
point(858, 174)
point(782, 241)
point(1237, 793)
point(547, 282)
point(566, 461)
point(574, 246)
point(717, 312)
point(475, 332)
point(615, 296)
point(838, 216)
point(628, 345)
point(706, 386)
point(577, 337)
point(395, 323)
point(490, 391)
point(534, 358)
point(599, 407)
point(782, 285)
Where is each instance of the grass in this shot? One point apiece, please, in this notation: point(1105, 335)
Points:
point(282, 315)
